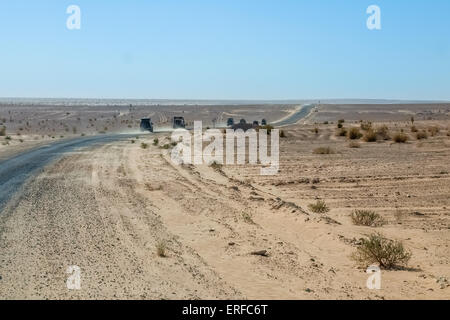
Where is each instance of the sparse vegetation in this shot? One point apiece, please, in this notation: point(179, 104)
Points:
point(2, 131)
point(414, 129)
point(370, 136)
point(367, 218)
point(383, 132)
point(282, 134)
point(400, 137)
point(433, 130)
point(319, 207)
point(161, 248)
point(155, 141)
point(421, 135)
point(323, 150)
point(216, 166)
point(247, 218)
point(366, 125)
point(354, 134)
point(342, 132)
point(144, 145)
point(378, 249)
point(354, 144)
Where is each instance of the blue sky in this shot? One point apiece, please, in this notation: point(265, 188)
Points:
point(229, 49)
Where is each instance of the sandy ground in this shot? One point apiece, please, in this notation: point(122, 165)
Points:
point(106, 210)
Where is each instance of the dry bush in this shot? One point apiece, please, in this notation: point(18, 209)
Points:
point(282, 134)
point(421, 135)
point(414, 129)
point(370, 136)
point(319, 207)
point(354, 134)
point(342, 132)
point(354, 144)
point(378, 249)
point(161, 249)
point(400, 137)
point(247, 218)
point(367, 218)
point(366, 125)
point(433, 130)
point(2, 131)
point(323, 150)
point(144, 145)
point(155, 141)
point(383, 132)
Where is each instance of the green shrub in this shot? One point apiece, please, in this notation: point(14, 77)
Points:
point(367, 218)
point(378, 249)
point(144, 145)
point(155, 141)
point(319, 207)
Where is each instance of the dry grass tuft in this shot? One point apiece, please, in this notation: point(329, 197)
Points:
point(400, 137)
point(161, 248)
point(323, 150)
point(421, 135)
point(370, 136)
point(354, 134)
point(319, 207)
point(367, 218)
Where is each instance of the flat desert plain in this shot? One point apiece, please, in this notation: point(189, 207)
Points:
point(141, 227)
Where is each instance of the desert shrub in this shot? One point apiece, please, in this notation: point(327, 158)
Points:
point(132, 141)
point(400, 137)
point(268, 127)
point(354, 144)
point(247, 218)
point(354, 134)
point(367, 218)
point(342, 132)
point(378, 249)
point(341, 121)
point(370, 136)
point(282, 134)
point(161, 249)
point(433, 130)
point(155, 141)
point(340, 125)
point(8, 138)
point(319, 207)
point(216, 166)
point(383, 132)
point(421, 135)
point(414, 129)
point(323, 150)
point(144, 145)
point(366, 125)
point(166, 146)
point(316, 130)
point(2, 131)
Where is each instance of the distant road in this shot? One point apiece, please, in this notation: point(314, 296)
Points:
point(296, 117)
point(16, 170)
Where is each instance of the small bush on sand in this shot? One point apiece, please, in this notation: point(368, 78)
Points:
point(367, 218)
point(8, 138)
point(421, 135)
point(433, 130)
point(161, 249)
point(247, 218)
point(354, 144)
point(370, 136)
point(366, 125)
point(316, 130)
point(144, 145)
point(378, 249)
point(2, 131)
point(400, 137)
point(354, 134)
point(414, 129)
point(383, 132)
point(323, 150)
point(282, 134)
point(342, 132)
point(216, 166)
point(155, 141)
point(319, 207)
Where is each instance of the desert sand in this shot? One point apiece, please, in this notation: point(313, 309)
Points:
point(108, 209)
